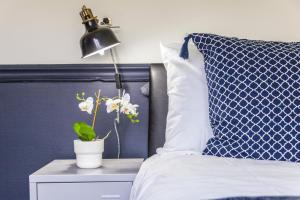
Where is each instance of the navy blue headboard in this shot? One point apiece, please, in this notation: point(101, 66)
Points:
point(37, 109)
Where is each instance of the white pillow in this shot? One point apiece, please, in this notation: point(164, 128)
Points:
point(188, 127)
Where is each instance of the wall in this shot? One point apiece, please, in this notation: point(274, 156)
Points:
point(48, 31)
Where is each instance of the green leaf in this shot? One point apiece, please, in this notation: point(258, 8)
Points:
point(84, 131)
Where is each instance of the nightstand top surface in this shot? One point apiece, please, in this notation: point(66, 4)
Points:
point(67, 171)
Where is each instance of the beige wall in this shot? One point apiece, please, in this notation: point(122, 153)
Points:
point(48, 31)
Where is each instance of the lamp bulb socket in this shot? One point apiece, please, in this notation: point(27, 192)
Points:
point(87, 15)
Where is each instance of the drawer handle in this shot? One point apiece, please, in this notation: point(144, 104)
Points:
point(111, 196)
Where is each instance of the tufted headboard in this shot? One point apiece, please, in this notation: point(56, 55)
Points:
point(158, 107)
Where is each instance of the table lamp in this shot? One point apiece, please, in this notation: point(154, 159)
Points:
point(96, 40)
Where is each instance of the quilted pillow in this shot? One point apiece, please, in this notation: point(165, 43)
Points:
point(254, 97)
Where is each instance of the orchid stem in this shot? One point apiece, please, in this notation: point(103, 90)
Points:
point(96, 109)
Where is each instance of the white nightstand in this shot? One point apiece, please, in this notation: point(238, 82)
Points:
point(62, 180)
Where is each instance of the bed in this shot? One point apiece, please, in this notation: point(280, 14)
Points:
point(190, 175)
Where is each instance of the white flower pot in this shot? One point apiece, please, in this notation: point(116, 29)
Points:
point(89, 154)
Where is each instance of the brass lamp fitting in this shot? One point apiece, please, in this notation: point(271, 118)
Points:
point(87, 15)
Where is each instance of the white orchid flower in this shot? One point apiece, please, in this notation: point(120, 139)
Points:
point(129, 109)
point(126, 107)
point(87, 105)
point(122, 105)
point(112, 105)
point(125, 98)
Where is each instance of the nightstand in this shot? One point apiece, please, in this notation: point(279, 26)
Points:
point(63, 180)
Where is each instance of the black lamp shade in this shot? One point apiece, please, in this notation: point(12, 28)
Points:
point(97, 39)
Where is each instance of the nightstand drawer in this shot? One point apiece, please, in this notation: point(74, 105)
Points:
point(87, 191)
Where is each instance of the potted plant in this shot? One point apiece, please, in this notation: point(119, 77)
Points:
point(89, 147)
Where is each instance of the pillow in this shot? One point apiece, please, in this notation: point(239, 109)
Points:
point(187, 127)
point(254, 97)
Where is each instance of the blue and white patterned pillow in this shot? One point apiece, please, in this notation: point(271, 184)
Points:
point(254, 97)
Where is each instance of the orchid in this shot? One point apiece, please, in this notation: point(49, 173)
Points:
point(87, 105)
point(129, 109)
point(126, 107)
point(125, 98)
point(122, 105)
point(112, 105)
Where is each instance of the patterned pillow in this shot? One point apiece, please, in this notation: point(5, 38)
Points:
point(254, 97)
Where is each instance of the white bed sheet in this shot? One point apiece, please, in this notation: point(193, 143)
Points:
point(183, 175)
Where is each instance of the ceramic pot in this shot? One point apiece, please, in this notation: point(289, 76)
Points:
point(89, 154)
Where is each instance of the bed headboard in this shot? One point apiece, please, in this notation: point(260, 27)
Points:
point(158, 107)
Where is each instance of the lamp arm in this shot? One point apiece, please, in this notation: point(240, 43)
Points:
point(117, 74)
point(119, 87)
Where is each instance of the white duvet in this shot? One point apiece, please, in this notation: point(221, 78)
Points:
point(180, 176)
